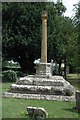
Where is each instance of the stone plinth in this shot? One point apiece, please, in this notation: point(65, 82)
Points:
point(43, 69)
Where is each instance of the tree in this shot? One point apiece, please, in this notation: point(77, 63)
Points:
point(55, 32)
point(69, 38)
point(76, 21)
point(55, 12)
point(61, 36)
point(21, 32)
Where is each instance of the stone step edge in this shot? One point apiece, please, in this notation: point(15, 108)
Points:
point(39, 97)
point(44, 78)
point(36, 86)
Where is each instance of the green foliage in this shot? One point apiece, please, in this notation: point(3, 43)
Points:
point(22, 33)
point(9, 76)
point(62, 37)
point(4, 64)
point(22, 30)
point(20, 74)
point(76, 21)
point(9, 64)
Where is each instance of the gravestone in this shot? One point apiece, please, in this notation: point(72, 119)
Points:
point(42, 85)
point(37, 112)
point(78, 100)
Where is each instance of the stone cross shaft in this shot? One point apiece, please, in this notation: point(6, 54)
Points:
point(44, 38)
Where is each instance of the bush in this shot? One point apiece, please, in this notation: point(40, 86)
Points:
point(20, 74)
point(9, 76)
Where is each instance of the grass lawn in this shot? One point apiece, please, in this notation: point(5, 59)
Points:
point(73, 76)
point(15, 108)
point(74, 79)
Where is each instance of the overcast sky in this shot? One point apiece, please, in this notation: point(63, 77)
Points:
point(69, 5)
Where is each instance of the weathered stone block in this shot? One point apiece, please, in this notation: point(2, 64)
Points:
point(69, 90)
point(33, 89)
point(39, 96)
point(41, 81)
point(25, 81)
point(43, 69)
point(38, 113)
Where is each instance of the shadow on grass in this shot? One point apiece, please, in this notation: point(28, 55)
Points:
point(74, 109)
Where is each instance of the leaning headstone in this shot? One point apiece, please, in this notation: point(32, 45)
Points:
point(37, 113)
point(78, 100)
point(31, 110)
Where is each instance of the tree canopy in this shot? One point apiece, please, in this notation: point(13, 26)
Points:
point(22, 33)
point(76, 20)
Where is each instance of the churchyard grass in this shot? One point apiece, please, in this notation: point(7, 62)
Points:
point(74, 79)
point(73, 76)
point(16, 108)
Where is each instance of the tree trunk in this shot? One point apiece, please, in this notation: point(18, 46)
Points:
point(60, 67)
point(65, 68)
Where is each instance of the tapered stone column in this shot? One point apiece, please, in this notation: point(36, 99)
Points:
point(44, 38)
point(44, 68)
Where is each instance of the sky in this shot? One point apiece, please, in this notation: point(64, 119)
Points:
point(69, 5)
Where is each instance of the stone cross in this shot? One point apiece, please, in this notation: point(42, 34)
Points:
point(44, 37)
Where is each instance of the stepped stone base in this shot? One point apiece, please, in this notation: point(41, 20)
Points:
point(40, 97)
point(42, 85)
point(52, 88)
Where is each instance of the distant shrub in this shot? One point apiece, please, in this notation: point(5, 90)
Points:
point(78, 69)
point(20, 73)
point(9, 76)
